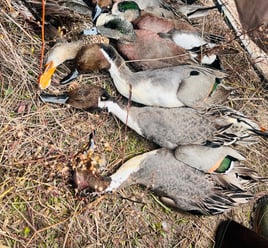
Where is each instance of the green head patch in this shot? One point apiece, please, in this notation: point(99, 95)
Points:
point(128, 5)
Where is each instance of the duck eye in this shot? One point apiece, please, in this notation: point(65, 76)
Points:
point(105, 96)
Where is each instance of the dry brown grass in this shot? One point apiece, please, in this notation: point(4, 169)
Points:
point(37, 141)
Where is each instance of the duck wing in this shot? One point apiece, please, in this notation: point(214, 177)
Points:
point(184, 187)
point(170, 127)
point(217, 126)
point(207, 159)
point(164, 52)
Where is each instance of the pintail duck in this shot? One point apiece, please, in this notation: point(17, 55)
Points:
point(167, 87)
point(178, 184)
point(172, 127)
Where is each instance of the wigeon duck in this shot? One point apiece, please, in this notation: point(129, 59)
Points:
point(136, 46)
point(167, 87)
point(183, 34)
point(130, 11)
point(171, 127)
point(179, 185)
point(157, 7)
point(164, 9)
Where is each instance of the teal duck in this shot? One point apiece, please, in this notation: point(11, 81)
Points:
point(179, 186)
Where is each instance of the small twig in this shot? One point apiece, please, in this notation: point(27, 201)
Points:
point(70, 225)
point(42, 34)
point(128, 199)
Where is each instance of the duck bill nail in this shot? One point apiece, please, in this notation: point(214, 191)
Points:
point(97, 11)
point(45, 78)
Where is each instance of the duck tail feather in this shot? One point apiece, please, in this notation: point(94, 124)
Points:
point(239, 178)
point(50, 98)
point(213, 38)
point(223, 200)
point(198, 11)
point(234, 127)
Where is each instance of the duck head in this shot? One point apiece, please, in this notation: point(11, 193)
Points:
point(85, 165)
point(84, 97)
point(90, 58)
point(56, 56)
point(115, 27)
point(128, 9)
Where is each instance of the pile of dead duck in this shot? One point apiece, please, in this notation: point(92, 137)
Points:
point(182, 97)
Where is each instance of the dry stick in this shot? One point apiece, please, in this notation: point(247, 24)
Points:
point(43, 34)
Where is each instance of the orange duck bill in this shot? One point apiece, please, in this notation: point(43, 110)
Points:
point(45, 78)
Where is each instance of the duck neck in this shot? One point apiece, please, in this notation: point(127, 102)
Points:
point(118, 70)
point(122, 113)
point(125, 174)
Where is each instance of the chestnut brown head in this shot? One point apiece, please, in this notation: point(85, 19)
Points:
point(90, 58)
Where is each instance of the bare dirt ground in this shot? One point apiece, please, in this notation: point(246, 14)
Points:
point(37, 203)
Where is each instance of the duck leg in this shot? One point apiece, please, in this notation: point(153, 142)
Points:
point(70, 77)
point(60, 99)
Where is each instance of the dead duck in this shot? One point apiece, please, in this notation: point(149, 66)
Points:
point(131, 12)
point(118, 26)
point(164, 9)
point(113, 26)
point(179, 185)
point(157, 7)
point(86, 162)
point(172, 127)
point(167, 87)
point(55, 8)
point(136, 47)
